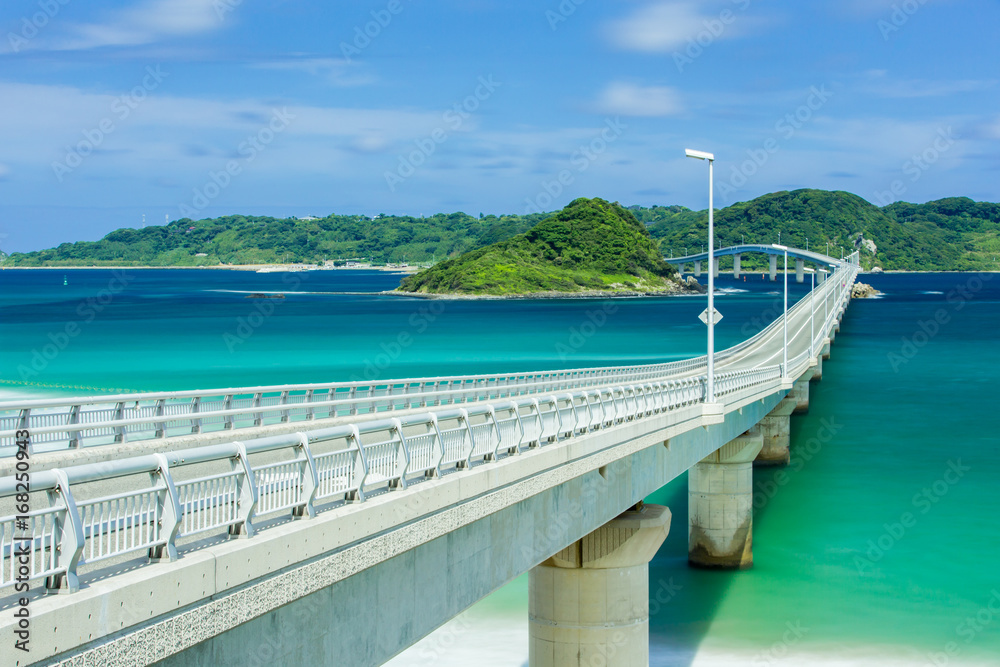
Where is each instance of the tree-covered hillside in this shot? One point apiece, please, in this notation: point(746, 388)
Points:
point(589, 245)
point(951, 234)
point(238, 239)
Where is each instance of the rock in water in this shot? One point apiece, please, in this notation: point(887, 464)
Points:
point(863, 291)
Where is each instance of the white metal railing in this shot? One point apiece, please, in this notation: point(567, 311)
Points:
point(97, 420)
point(336, 464)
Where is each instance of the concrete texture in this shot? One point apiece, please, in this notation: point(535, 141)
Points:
point(589, 604)
point(775, 428)
point(720, 505)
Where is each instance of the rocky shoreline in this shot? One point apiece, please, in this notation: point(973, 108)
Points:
point(690, 286)
point(863, 291)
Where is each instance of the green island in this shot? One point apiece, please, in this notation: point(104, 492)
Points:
point(953, 234)
point(590, 247)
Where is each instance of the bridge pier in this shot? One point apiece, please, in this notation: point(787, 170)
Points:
point(772, 263)
point(589, 604)
point(775, 428)
point(800, 270)
point(715, 268)
point(720, 505)
point(820, 277)
point(800, 393)
point(825, 354)
point(817, 374)
point(697, 268)
point(736, 265)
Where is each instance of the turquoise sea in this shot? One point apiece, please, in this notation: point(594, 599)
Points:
point(878, 545)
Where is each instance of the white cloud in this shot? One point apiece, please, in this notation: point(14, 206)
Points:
point(628, 99)
point(666, 26)
point(144, 23)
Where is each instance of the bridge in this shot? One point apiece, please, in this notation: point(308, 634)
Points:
point(341, 523)
point(772, 251)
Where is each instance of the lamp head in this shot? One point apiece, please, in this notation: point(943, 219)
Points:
point(780, 247)
point(699, 155)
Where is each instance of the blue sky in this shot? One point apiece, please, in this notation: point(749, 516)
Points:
point(112, 110)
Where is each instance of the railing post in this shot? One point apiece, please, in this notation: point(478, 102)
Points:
point(161, 427)
point(466, 462)
point(360, 467)
point(74, 418)
point(310, 411)
point(310, 481)
point(492, 417)
point(247, 494)
point(353, 394)
point(283, 401)
point(227, 405)
point(516, 449)
point(438, 448)
point(67, 532)
point(258, 415)
point(195, 409)
point(170, 512)
point(121, 435)
point(402, 456)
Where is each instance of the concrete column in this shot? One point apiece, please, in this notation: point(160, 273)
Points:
point(800, 270)
point(775, 428)
point(772, 261)
point(736, 265)
point(715, 268)
point(818, 370)
point(720, 505)
point(820, 277)
point(697, 268)
point(800, 392)
point(589, 604)
point(825, 354)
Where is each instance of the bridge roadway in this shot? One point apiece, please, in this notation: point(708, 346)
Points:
point(405, 520)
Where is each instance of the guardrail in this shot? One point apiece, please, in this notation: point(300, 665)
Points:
point(101, 420)
point(338, 464)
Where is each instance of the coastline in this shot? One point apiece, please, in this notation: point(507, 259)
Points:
point(589, 294)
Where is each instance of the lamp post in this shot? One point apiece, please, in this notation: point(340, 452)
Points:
point(812, 312)
point(807, 243)
point(784, 318)
point(701, 155)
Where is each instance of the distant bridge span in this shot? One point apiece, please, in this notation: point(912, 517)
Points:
point(339, 524)
point(737, 251)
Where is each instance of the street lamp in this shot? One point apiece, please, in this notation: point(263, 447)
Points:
point(784, 318)
point(812, 312)
point(807, 243)
point(701, 155)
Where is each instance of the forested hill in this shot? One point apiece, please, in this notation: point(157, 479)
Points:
point(590, 246)
point(948, 234)
point(239, 239)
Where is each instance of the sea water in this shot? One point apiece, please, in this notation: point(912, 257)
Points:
point(876, 546)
